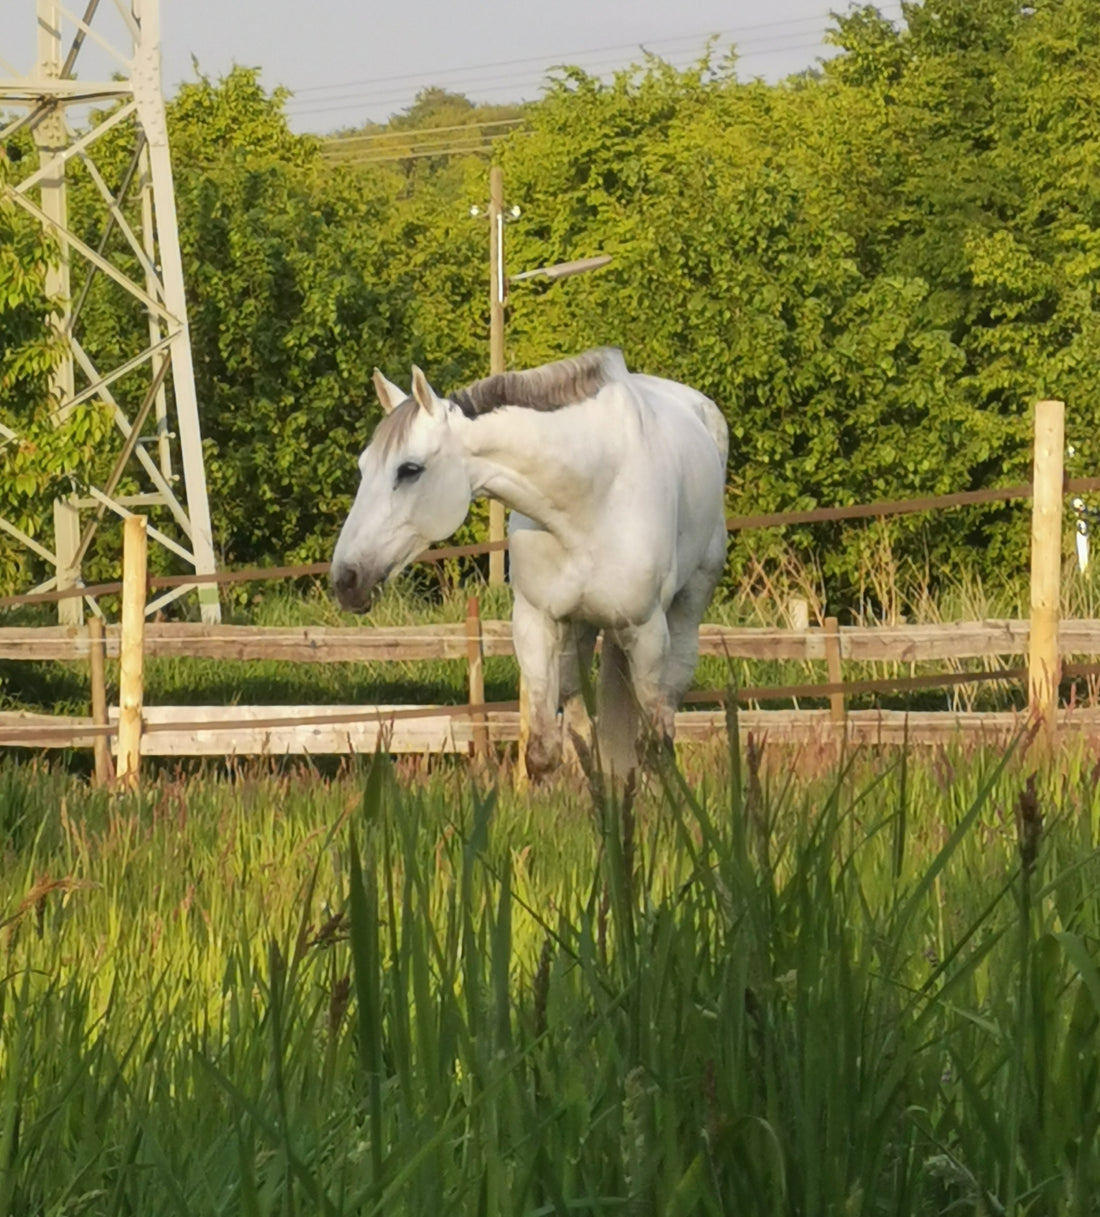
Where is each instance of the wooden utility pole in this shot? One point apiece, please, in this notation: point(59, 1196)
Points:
point(1043, 659)
point(497, 292)
point(498, 285)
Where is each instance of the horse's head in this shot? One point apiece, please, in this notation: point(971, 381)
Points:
point(415, 489)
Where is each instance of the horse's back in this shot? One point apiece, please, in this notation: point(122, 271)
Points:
point(690, 449)
point(698, 403)
point(661, 514)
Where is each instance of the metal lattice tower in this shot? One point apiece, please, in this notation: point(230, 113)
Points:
point(48, 97)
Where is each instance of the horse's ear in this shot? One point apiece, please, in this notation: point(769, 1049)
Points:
point(389, 395)
point(423, 392)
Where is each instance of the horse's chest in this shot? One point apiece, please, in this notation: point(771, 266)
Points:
point(584, 584)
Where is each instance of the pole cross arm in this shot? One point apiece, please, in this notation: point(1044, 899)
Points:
point(562, 270)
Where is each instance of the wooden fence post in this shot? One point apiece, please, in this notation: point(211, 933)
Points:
point(131, 654)
point(524, 735)
point(836, 672)
point(1043, 658)
point(104, 770)
point(475, 661)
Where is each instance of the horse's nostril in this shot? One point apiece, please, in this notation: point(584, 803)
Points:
point(344, 578)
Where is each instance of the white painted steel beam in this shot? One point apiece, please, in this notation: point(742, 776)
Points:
point(128, 33)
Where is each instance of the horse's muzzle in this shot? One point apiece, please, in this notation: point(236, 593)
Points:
point(354, 591)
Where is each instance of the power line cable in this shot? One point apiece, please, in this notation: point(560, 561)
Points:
point(457, 150)
point(369, 97)
point(412, 155)
point(513, 82)
point(410, 133)
point(474, 84)
point(345, 158)
point(436, 147)
point(480, 88)
point(569, 56)
point(510, 81)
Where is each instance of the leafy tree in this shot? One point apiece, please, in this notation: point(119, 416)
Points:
point(875, 273)
point(741, 219)
point(301, 277)
point(875, 270)
point(290, 310)
point(994, 113)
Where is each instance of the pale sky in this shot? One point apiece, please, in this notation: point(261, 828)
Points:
point(352, 60)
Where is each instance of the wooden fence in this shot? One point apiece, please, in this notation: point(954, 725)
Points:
point(138, 730)
point(239, 730)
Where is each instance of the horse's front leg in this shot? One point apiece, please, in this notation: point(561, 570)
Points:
point(537, 639)
point(578, 647)
point(647, 651)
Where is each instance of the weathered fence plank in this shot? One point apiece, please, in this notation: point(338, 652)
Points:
point(432, 733)
point(352, 644)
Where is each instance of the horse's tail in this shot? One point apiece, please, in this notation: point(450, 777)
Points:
point(617, 718)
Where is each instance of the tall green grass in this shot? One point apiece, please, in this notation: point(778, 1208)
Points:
point(850, 987)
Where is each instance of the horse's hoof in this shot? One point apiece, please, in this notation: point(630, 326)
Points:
point(658, 749)
point(540, 761)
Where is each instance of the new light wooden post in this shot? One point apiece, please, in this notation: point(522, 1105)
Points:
point(475, 663)
point(1043, 658)
point(132, 650)
point(104, 770)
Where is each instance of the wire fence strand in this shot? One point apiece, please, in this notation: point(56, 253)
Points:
point(816, 515)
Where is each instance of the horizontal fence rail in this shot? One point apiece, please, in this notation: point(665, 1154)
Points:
point(283, 730)
point(399, 644)
point(252, 574)
point(306, 644)
point(275, 730)
point(415, 730)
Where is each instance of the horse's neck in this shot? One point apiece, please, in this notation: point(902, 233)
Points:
point(547, 465)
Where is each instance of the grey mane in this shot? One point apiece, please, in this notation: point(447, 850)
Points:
point(549, 387)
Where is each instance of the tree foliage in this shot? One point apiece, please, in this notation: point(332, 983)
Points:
point(876, 273)
point(875, 270)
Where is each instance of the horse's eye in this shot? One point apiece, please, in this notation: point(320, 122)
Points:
point(409, 471)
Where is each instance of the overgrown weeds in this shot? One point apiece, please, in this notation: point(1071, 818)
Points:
point(859, 990)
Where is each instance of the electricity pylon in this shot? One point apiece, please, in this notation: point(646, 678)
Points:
point(48, 96)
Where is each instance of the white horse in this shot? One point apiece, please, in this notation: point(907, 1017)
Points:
point(616, 484)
